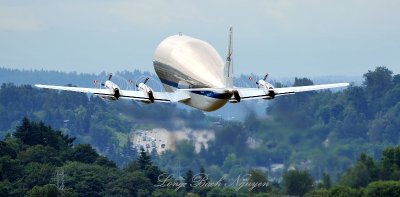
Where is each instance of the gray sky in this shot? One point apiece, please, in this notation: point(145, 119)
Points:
point(282, 37)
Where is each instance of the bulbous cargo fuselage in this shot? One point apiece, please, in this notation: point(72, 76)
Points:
point(184, 62)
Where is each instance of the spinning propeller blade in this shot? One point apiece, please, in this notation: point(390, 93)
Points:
point(265, 77)
point(145, 81)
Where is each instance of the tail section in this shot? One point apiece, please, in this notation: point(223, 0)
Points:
point(228, 70)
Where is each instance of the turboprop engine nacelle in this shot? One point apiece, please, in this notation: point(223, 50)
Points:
point(267, 87)
point(147, 91)
point(114, 89)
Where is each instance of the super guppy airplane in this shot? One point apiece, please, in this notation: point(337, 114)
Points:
point(193, 73)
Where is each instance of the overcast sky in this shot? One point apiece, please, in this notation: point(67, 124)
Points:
point(282, 37)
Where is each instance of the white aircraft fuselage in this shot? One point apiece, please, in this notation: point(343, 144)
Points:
point(183, 62)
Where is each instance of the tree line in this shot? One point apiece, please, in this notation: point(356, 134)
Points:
point(37, 160)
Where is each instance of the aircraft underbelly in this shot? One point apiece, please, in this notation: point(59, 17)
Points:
point(201, 101)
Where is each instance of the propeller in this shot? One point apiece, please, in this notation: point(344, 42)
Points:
point(252, 79)
point(145, 81)
point(109, 78)
point(265, 77)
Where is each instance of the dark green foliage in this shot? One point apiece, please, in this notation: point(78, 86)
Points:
point(130, 184)
point(225, 192)
point(44, 191)
point(344, 191)
point(33, 169)
point(297, 182)
point(391, 163)
point(165, 193)
point(368, 177)
point(104, 161)
point(383, 189)
point(11, 169)
point(326, 181)
point(31, 133)
point(87, 179)
point(5, 188)
point(189, 180)
point(89, 119)
point(36, 174)
point(318, 193)
point(145, 165)
point(259, 180)
point(40, 154)
point(84, 153)
point(378, 81)
point(144, 160)
point(364, 172)
point(6, 150)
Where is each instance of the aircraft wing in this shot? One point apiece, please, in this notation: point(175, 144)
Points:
point(125, 94)
point(76, 89)
point(256, 93)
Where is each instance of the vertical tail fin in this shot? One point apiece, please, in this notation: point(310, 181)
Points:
point(228, 69)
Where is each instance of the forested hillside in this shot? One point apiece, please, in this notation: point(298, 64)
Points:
point(320, 132)
point(90, 119)
point(37, 160)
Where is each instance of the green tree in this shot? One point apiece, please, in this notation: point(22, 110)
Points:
point(189, 180)
point(152, 172)
point(297, 182)
point(84, 153)
point(165, 193)
point(5, 188)
point(144, 164)
point(363, 172)
point(391, 163)
point(32, 133)
point(318, 193)
point(130, 184)
point(24, 130)
point(36, 174)
point(378, 80)
point(49, 190)
point(326, 181)
point(104, 161)
point(10, 169)
point(40, 154)
point(383, 188)
point(259, 180)
point(88, 179)
point(344, 191)
point(7, 150)
point(144, 160)
point(225, 192)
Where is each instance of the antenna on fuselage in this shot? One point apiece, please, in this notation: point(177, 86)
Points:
point(228, 70)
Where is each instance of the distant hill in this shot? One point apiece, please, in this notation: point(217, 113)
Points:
point(229, 112)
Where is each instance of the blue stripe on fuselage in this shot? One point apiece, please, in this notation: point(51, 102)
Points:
point(204, 93)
